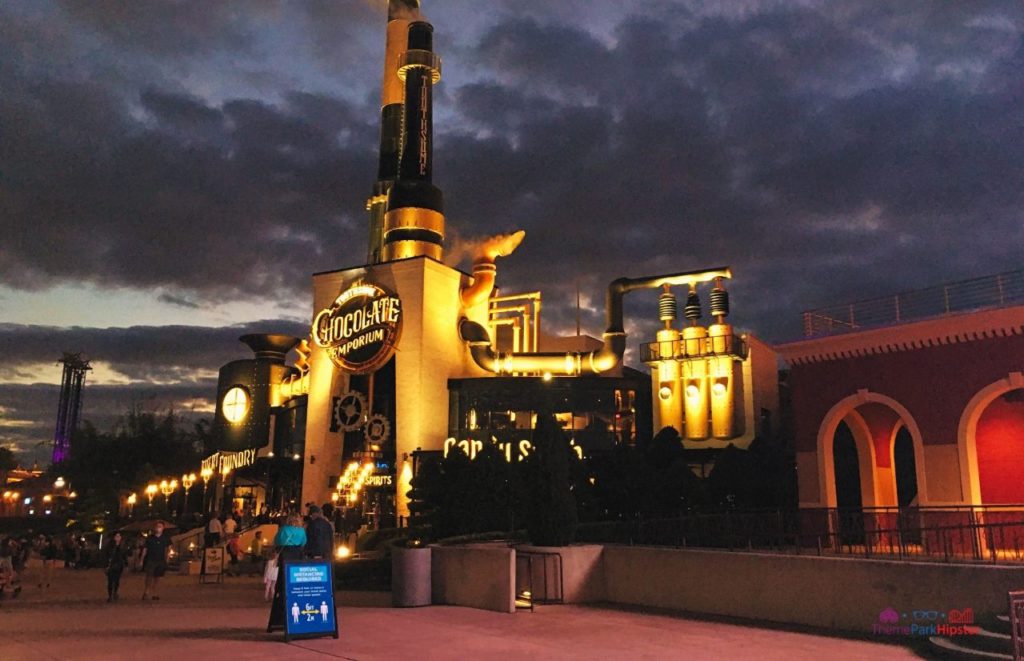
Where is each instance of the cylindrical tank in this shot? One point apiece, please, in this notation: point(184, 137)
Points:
point(695, 397)
point(668, 400)
point(723, 386)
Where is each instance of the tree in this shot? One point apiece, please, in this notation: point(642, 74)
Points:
point(143, 445)
point(8, 462)
point(424, 496)
point(551, 516)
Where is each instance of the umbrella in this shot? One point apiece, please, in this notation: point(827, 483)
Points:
point(148, 524)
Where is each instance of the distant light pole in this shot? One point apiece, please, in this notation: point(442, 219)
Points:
point(187, 481)
point(132, 498)
point(167, 488)
point(224, 472)
point(206, 473)
point(151, 490)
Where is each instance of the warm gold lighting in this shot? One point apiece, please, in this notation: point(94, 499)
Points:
point(132, 499)
point(343, 552)
point(692, 391)
point(547, 376)
point(47, 498)
point(235, 404)
point(59, 483)
point(665, 393)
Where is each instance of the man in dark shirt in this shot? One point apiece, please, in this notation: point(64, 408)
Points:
point(154, 560)
point(319, 535)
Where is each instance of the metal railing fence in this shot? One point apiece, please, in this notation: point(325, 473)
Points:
point(992, 534)
point(992, 291)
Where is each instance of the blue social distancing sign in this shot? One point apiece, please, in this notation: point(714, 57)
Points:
point(307, 597)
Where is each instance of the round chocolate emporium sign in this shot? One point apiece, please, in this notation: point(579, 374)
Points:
point(360, 330)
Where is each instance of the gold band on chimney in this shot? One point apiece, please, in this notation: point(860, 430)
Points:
point(392, 89)
point(414, 218)
point(406, 249)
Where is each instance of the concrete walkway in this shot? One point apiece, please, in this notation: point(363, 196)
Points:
point(72, 620)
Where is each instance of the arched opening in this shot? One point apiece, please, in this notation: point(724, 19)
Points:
point(849, 495)
point(904, 468)
point(889, 451)
point(847, 469)
point(999, 444)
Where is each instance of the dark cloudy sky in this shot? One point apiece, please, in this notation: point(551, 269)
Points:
point(171, 173)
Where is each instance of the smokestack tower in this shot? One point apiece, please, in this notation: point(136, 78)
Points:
point(400, 14)
point(414, 220)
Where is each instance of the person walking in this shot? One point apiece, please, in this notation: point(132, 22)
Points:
point(50, 553)
point(319, 535)
point(230, 525)
point(6, 565)
point(116, 560)
point(270, 577)
point(154, 560)
point(213, 530)
point(290, 540)
point(289, 544)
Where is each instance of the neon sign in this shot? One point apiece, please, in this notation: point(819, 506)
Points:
point(518, 450)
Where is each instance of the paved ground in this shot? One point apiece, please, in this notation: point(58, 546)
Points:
point(73, 621)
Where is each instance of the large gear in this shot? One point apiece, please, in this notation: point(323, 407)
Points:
point(378, 429)
point(350, 412)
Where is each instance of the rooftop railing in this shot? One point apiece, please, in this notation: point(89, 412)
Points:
point(993, 291)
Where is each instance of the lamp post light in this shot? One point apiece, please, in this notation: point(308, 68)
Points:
point(206, 473)
point(132, 498)
point(167, 488)
point(224, 472)
point(187, 481)
point(151, 490)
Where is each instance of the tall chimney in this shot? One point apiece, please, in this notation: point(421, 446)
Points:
point(400, 13)
point(414, 221)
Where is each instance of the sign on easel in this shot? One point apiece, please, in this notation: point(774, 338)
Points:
point(305, 605)
point(213, 565)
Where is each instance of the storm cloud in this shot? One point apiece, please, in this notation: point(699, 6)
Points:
point(827, 151)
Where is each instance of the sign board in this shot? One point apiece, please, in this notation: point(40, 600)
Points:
point(360, 329)
point(306, 600)
point(213, 564)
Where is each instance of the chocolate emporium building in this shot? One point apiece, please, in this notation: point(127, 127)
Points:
point(407, 354)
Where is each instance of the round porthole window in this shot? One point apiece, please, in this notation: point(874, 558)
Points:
point(235, 404)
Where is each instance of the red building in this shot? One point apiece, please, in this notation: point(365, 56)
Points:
point(916, 399)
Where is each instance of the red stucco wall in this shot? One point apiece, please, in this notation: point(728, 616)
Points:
point(1000, 445)
point(934, 383)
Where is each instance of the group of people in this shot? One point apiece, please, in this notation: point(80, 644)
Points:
point(16, 550)
point(297, 539)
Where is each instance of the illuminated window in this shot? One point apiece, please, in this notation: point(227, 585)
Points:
point(235, 404)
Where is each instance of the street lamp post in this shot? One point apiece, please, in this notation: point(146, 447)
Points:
point(187, 481)
point(151, 490)
point(206, 473)
point(224, 472)
point(132, 498)
point(167, 488)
